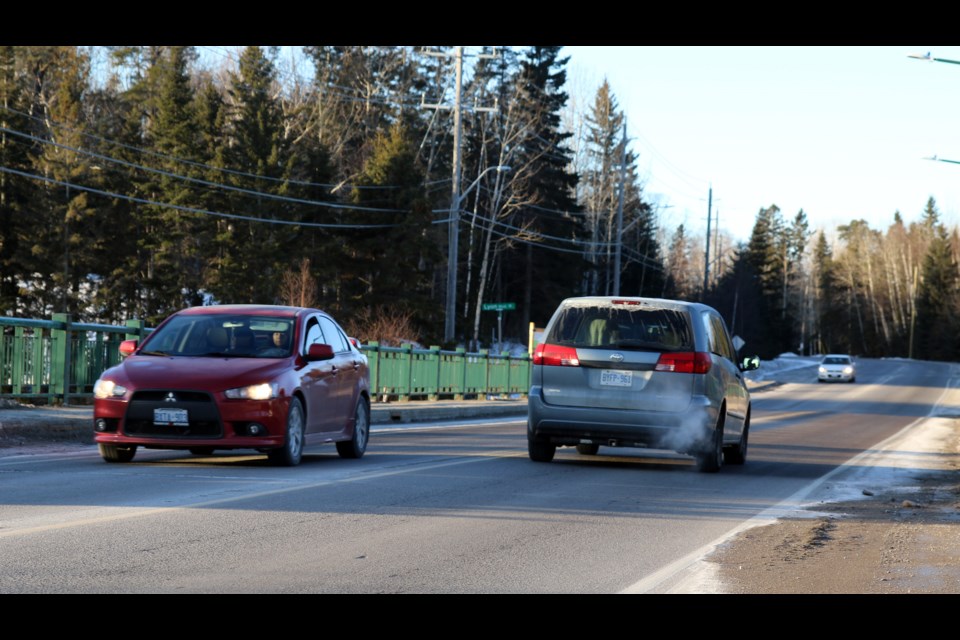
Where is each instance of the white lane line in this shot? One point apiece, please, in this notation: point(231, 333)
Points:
point(217, 502)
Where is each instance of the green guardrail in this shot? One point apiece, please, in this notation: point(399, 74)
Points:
point(58, 361)
point(405, 373)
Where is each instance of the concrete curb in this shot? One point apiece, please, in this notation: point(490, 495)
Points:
point(404, 412)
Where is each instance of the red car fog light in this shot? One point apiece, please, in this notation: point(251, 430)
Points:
point(105, 425)
point(256, 429)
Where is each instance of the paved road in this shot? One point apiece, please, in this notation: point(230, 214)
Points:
point(432, 508)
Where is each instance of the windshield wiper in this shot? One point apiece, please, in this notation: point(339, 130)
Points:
point(153, 353)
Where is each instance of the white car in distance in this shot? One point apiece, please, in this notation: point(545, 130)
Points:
point(837, 367)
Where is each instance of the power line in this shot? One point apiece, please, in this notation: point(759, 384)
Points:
point(168, 205)
point(206, 183)
point(201, 165)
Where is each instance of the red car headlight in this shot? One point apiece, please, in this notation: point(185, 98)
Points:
point(108, 389)
point(265, 391)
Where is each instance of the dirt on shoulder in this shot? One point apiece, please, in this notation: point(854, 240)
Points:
point(897, 541)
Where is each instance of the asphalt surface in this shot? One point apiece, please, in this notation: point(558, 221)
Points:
point(449, 508)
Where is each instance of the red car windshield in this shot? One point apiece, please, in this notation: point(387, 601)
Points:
point(222, 336)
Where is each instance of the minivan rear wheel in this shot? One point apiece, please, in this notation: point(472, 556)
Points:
point(738, 453)
point(710, 460)
point(538, 449)
point(541, 451)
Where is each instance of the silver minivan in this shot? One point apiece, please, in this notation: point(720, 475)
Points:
point(639, 372)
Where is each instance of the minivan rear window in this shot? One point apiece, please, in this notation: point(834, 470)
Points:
point(622, 327)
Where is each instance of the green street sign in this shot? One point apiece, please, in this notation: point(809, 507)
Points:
point(499, 306)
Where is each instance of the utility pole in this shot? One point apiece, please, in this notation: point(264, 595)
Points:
point(913, 308)
point(453, 228)
point(623, 180)
point(706, 260)
point(717, 249)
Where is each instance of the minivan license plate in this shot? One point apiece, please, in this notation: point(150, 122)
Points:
point(613, 378)
point(177, 417)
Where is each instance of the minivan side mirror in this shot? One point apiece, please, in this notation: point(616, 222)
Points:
point(750, 364)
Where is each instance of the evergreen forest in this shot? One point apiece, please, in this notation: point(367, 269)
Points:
point(136, 181)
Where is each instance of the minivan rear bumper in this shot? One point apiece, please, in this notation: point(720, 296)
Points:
point(680, 431)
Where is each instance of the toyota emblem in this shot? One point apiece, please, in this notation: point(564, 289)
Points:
point(616, 357)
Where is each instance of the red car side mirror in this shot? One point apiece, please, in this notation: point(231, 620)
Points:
point(127, 347)
point(319, 352)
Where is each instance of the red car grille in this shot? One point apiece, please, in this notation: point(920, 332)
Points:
point(202, 415)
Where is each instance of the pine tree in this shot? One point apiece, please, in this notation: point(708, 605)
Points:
point(679, 283)
point(391, 268)
point(360, 93)
point(310, 170)
point(16, 192)
point(58, 254)
point(865, 325)
point(600, 186)
point(176, 246)
point(829, 332)
point(766, 328)
point(644, 273)
point(609, 165)
point(938, 302)
point(251, 257)
point(115, 124)
point(539, 277)
point(739, 297)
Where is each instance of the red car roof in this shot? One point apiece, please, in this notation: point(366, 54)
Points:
point(245, 309)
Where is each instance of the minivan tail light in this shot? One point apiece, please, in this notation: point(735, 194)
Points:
point(557, 356)
point(684, 362)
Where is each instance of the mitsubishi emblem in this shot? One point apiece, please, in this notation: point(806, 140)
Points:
point(172, 398)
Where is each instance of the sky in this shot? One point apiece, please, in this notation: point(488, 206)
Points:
point(839, 132)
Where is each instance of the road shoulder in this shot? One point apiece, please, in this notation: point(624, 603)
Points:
point(897, 535)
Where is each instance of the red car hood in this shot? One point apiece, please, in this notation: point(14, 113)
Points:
point(202, 374)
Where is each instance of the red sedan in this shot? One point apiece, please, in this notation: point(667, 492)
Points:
point(269, 378)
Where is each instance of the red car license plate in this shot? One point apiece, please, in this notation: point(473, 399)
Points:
point(176, 417)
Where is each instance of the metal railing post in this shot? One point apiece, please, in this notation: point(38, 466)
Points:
point(60, 357)
point(136, 330)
